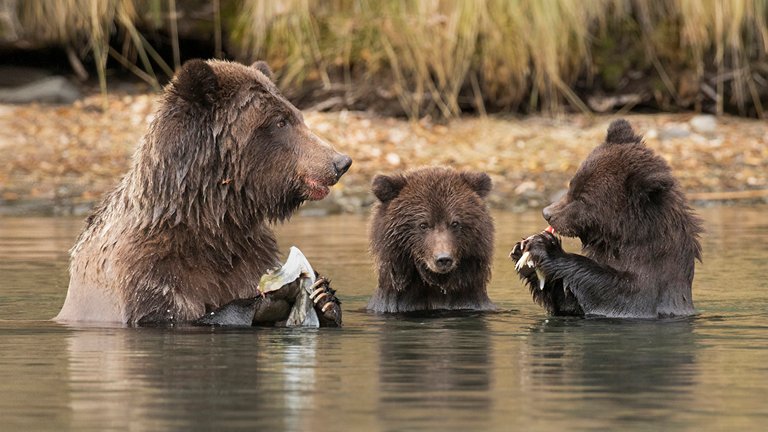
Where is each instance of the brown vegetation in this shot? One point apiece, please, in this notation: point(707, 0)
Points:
point(442, 58)
point(61, 159)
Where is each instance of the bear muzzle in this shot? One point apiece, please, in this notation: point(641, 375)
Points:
point(318, 187)
point(550, 214)
point(442, 257)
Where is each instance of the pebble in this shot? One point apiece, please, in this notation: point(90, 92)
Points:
point(704, 124)
point(393, 159)
point(525, 187)
point(674, 130)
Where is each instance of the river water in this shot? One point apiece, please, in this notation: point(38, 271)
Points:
point(513, 370)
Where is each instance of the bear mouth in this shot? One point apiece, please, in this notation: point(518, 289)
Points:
point(315, 190)
point(439, 271)
point(558, 232)
point(434, 276)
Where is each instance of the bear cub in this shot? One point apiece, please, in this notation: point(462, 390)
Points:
point(640, 238)
point(431, 237)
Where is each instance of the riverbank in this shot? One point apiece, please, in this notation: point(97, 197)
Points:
point(59, 160)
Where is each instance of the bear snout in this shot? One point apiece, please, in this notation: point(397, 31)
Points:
point(322, 167)
point(443, 263)
point(547, 212)
point(341, 164)
point(442, 257)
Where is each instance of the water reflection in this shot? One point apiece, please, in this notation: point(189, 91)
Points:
point(190, 379)
point(435, 364)
point(626, 367)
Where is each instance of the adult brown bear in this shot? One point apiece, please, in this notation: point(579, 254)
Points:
point(432, 241)
point(639, 237)
point(186, 230)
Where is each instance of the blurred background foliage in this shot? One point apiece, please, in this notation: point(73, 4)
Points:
point(434, 58)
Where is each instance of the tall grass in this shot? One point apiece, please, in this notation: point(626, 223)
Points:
point(441, 56)
point(513, 53)
point(88, 26)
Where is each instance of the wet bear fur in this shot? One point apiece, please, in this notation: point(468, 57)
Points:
point(431, 237)
point(640, 238)
point(187, 229)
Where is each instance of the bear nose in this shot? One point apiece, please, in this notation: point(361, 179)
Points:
point(444, 261)
point(547, 213)
point(341, 164)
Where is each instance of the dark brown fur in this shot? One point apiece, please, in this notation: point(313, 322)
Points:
point(187, 226)
point(638, 234)
point(432, 241)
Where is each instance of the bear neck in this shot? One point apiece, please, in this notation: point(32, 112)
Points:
point(666, 228)
point(184, 175)
point(163, 197)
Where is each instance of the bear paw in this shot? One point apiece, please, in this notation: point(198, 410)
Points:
point(327, 305)
point(542, 247)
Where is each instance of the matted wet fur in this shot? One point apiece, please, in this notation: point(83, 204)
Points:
point(187, 228)
point(640, 238)
point(431, 237)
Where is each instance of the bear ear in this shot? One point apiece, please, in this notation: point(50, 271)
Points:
point(652, 186)
point(386, 188)
point(479, 182)
point(263, 67)
point(620, 132)
point(196, 82)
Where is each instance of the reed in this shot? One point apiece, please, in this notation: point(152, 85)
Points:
point(441, 56)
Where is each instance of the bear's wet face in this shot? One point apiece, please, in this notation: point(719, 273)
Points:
point(432, 241)
point(627, 191)
point(318, 166)
point(262, 155)
point(579, 212)
point(435, 230)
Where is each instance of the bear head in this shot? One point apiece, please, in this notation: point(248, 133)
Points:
point(225, 144)
point(433, 219)
point(621, 193)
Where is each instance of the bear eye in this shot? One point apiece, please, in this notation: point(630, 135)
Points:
point(281, 123)
point(456, 224)
point(423, 226)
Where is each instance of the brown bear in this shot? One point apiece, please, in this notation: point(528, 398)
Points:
point(431, 237)
point(640, 238)
point(186, 230)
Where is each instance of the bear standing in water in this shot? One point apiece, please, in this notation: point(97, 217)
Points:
point(186, 230)
point(432, 241)
point(639, 237)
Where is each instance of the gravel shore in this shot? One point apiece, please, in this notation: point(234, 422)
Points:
point(61, 159)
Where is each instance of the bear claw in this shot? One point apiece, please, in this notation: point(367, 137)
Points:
point(325, 302)
point(525, 260)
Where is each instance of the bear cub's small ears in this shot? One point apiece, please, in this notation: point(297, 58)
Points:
point(650, 185)
point(387, 188)
point(263, 67)
point(620, 132)
point(196, 82)
point(479, 182)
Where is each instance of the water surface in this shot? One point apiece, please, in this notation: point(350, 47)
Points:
point(517, 369)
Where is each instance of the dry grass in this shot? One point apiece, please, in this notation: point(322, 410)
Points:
point(432, 53)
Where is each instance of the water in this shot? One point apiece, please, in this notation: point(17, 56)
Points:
point(514, 370)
